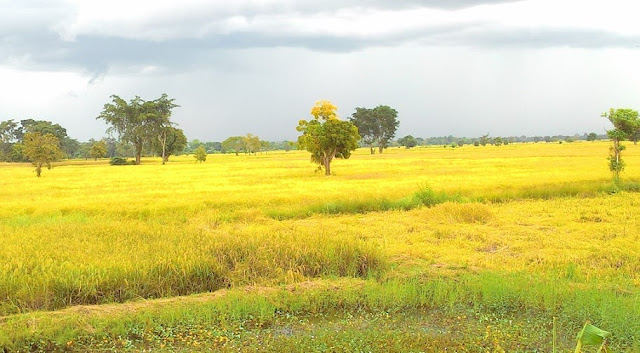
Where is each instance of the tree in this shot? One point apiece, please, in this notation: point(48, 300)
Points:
point(363, 119)
point(192, 145)
point(326, 136)
point(408, 141)
point(173, 142)
point(377, 125)
point(200, 154)
point(625, 123)
point(592, 136)
point(41, 149)
point(84, 150)
point(251, 143)
point(159, 113)
point(9, 135)
point(139, 122)
point(10, 131)
point(635, 136)
point(68, 145)
point(233, 144)
point(484, 139)
point(213, 147)
point(286, 145)
point(266, 146)
point(98, 150)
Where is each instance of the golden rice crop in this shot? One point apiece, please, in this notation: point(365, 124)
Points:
point(87, 232)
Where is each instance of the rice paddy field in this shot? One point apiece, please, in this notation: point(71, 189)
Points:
point(470, 249)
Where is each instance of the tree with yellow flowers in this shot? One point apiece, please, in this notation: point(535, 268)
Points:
point(326, 136)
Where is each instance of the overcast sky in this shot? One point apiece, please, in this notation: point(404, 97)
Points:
point(462, 68)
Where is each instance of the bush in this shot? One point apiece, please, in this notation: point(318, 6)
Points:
point(121, 161)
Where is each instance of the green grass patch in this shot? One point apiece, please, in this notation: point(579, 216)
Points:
point(427, 197)
point(484, 299)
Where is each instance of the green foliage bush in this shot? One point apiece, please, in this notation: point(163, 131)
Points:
point(121, 161)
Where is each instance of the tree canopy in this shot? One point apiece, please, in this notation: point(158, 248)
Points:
point(171, 141)
point(41, 149)
point(376, 126)
point(234, 144)
point(200, 154)
point(98, 150)
point(251, 143)
point(408, 141)
point(12, 138)
point(625, 124)
point(139, 122)
point(326, 136)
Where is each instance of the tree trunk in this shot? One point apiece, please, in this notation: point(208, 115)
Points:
point(38, 169)
point(163, 141)
point(373, 151)
point(616, 154)
point(326, 161)
point(165, 159)
point(380, 148)
point(327, 166)
point(138, 151)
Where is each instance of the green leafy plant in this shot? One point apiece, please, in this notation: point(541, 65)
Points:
point(592, 336)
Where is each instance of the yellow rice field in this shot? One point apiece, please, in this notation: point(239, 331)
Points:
point(90, 233)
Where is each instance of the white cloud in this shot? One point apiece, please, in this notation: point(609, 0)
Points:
point(167, 20)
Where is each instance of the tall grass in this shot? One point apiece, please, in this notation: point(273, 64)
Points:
point(235, 258)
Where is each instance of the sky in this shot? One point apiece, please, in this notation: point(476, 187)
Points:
point(449, 67)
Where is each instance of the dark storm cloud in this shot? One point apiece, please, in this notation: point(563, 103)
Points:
point(32, 34)
point(97, 53)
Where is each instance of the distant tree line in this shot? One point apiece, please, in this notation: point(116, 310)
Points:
point(248, 144)
point(144, 128)
point(486, 139)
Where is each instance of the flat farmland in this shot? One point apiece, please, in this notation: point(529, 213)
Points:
point(427, 249)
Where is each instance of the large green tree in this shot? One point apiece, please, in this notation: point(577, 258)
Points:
point(159, 113)
point(234, 144)
point(252, 143)
point(68, 145)
point(326, 136)
point(10, 133)
point(139, 122)
point(376, 126)
point(41, 149)
point(408, 141)
point(625, 124)
point(98, 150)
point(173, 141)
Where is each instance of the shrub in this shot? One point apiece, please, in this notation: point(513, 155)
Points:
point(121, 161)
